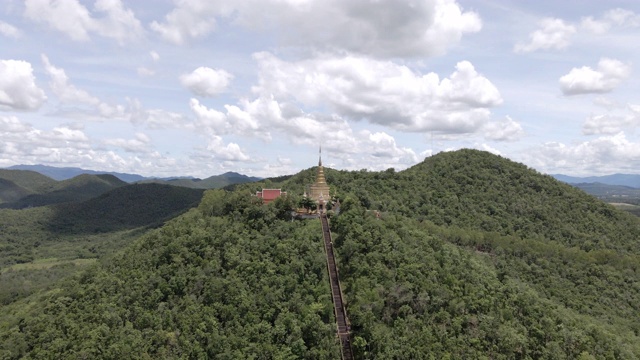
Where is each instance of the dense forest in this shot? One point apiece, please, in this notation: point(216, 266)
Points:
point(465, 255)
point(41, 245)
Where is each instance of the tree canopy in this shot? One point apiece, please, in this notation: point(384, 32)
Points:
point(472, 256)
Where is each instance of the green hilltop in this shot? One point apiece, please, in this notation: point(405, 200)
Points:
point(465, 255)
point(24, 189)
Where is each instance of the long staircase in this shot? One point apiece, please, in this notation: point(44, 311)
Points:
point(340, 312)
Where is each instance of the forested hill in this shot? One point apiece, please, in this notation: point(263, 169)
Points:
point(473, 257)
point(486, 192)
point(21, 189)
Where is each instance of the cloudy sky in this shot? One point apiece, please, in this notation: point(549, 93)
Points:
point(201, 87)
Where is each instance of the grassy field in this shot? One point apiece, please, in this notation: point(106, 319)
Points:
point(41, 264)
point(633, 209)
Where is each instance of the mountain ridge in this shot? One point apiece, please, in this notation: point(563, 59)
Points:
point(631, 180)
point(76, 189)
point(65, 173)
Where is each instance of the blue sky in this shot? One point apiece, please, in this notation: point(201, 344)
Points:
point(198, 88)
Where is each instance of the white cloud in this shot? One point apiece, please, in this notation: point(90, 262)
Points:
point(384, 149)
point(76, 21)
point(68, 145)
point(585, 80)
point(210, 120)
point(18, 90)
point(27, 141)
point(111, 111)
point(266, 118)
point(490, 149)
point(604, 155)
point(191, 19)
point(11, 124)
point(606, 103)
point(235, 120)
point(67, 135)
point(154, 55)
point(119, 23)
point(9, 30)
point(154, 118)
point(387, 29)
point(140, 144)
point(69, 94)
point(228, 152)
point(382, 92)
point(60, 86)
point(280, 166)
point(595, 26)
point(205, 81)
point(622, 17)
point(553, 34)
point(505, 130)
point(609, 124)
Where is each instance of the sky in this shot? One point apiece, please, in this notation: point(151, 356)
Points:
point(201, 87)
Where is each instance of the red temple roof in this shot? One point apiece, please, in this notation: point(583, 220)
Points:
point(268, 195)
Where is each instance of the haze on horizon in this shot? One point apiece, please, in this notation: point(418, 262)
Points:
point(198, 88)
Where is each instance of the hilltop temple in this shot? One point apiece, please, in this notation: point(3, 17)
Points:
point(319, 190)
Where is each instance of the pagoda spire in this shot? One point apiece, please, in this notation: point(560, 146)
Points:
point(319, 190)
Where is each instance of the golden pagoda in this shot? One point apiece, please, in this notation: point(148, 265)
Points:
point(319, 190)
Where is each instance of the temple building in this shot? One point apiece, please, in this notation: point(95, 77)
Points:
point(268, 195)
point(319, 190)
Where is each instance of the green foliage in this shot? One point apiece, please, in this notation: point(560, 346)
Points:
point(481, 191)
point(87, 230)
point(472, 257)
point(77, 189)
point(203, 286)
point(212, 182)
point(418, 290)
point(30, 180)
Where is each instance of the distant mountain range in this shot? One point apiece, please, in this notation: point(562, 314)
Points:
point(630, 180)
point(212, 182)
point(21, 189)
point(216, 181)
point(39, 185)
point(65, 173)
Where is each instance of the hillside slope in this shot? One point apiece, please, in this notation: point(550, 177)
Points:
point(77, 189)
point(40, 245)
point(482, 191)
point(30, 180)
point(10, 191)
point(126, 207)
point(223, 287)
point(473, 256)
point(631, 180)
point(212, 182)
point(65, 173)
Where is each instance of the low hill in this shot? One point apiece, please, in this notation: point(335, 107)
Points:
point(10, 191)
point(631, 180)
point(65, 173)
point(128, 206)
point(611, 193)
point(472, 189)
point(473, 256)
point(212, 182)
point(77, 189)
point(32, 181)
